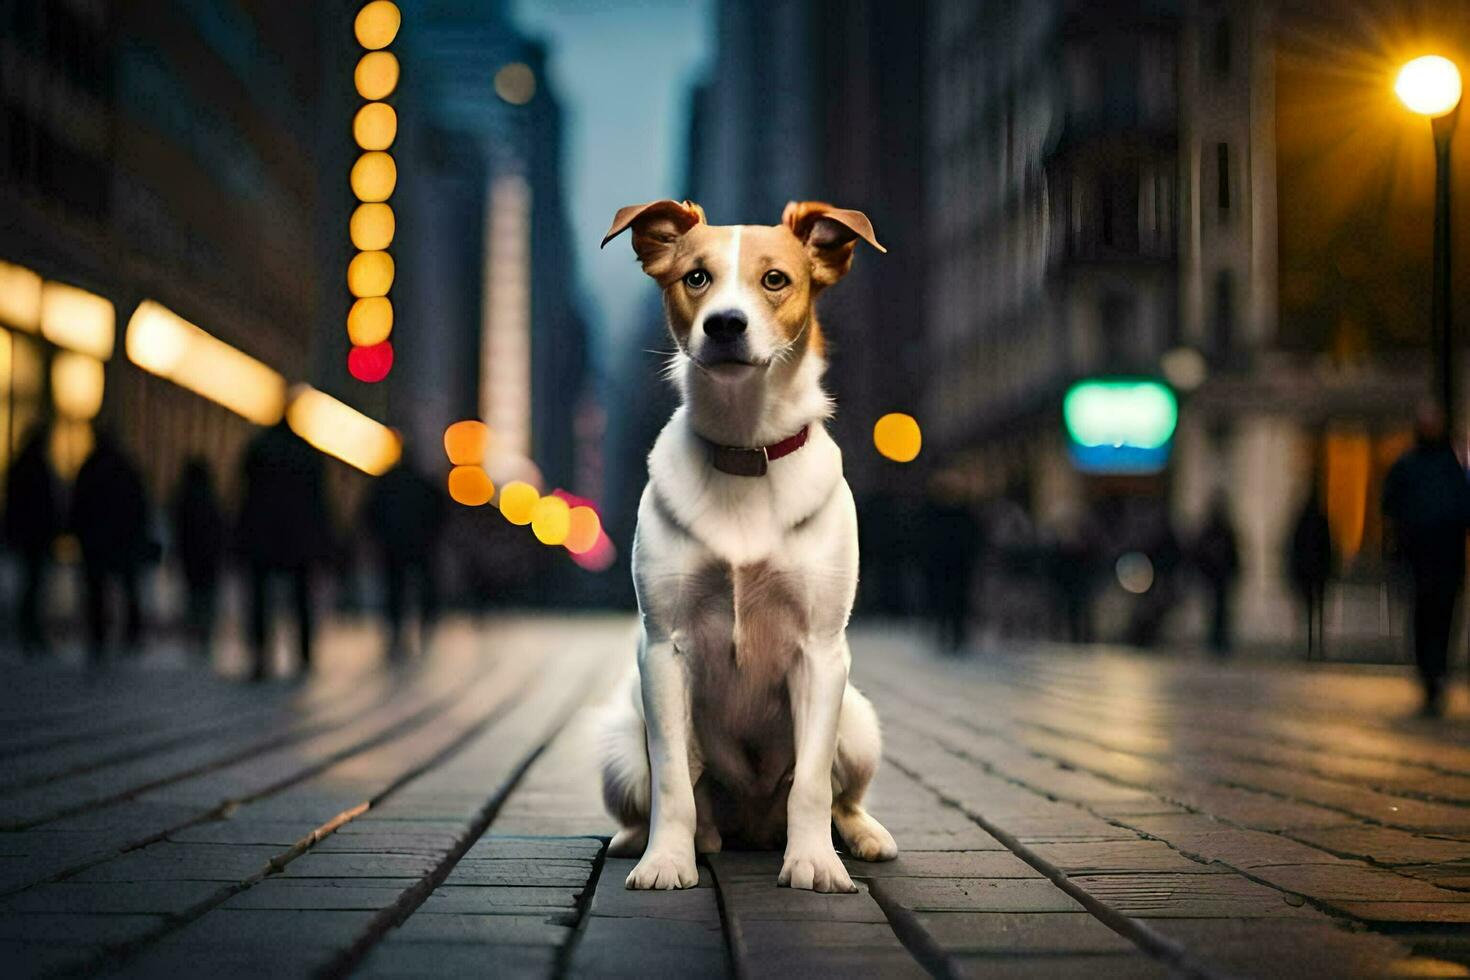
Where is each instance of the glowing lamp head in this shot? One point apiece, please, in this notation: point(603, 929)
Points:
point(1429, 85)
point(370, 364)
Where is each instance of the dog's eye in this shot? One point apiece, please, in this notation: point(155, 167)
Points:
point(774, 280)
point(697, 279)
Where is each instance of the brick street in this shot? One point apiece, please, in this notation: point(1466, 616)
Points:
point(1060, 812)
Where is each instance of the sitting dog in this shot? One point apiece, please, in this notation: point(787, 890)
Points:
point(740, 722)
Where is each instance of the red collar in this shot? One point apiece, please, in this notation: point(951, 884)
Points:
point(746, 461)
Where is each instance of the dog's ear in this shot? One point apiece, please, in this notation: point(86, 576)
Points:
point(830, 235)
point(657, 226)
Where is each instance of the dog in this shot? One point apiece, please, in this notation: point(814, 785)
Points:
point(740, 722)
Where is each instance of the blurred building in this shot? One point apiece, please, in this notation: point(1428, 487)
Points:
point(1159, 189)
point(823, 100)
point(490, 324)
point(174, 151)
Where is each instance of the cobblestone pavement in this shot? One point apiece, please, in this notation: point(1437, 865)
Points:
point(1061, 813)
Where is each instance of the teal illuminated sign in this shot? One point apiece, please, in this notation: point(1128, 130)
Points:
point(1120, 425)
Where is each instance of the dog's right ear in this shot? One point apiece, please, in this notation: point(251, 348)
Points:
point(657, 226)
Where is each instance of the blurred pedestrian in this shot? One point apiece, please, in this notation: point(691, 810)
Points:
point(405, 513)
point(1217, 557)
point(1075, 559)
point(199, 537)
point(1161, 547)
point(1427, 497)
point(31, 523)
point(1309, 564)
point(951, 542)
point(283, 532)
point(109, 515)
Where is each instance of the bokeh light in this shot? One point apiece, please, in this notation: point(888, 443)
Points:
point(77, 383)
point(370, 364)
point(163, 343)
point(1135, 572)
point(515, 83)
point(1429, 85)
point(377, 24)
point(897, 437)
point(518, 502)
point(70, 444)
point(551, 520)
point(370, 274)
point(372, 227)
point(77, 320)
point(370, 321)
point(374, 177)
point(20, 297)
point(471, 486)
point(1184, 368)
point(341, 431)
point(375, 126)
point(376, 75)
point(466, 441)
point(584, 529)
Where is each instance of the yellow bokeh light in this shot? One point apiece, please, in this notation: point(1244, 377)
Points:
point(551, 520)
point(374, 176)
point(77, 320)
point(1429, 85)
point(370, 274)
point(20, 297)
point(163, 343)
point(518, 502)
point(585, 528)
point(466, 441)
point(470, 485)
point(897, 437)
point(376, 75)
point(340, 430)
point(77, 383)
point(372, 227)
point(377, 24)
point(516, 83)
point(70, 444)
point(375, 126)
point(370, 321)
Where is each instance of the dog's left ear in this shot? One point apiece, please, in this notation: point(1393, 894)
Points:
point(830, 235)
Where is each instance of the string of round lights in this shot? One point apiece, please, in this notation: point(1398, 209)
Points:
point(558, 519)
point(374, 177)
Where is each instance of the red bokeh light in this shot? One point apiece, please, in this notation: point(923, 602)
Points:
point(371, 364)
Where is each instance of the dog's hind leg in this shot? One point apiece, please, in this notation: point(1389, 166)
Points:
point(707, 839)
point(625, 779)
point(859, 750)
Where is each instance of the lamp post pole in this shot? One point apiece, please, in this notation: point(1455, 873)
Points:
point(1446, 362)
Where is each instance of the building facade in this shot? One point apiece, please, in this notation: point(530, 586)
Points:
point(1119, 189)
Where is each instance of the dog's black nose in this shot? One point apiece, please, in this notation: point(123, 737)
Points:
point(725, 325)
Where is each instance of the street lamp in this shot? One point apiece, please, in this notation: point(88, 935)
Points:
point(1430, 86)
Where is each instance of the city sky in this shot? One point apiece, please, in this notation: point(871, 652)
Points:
point(623, 70)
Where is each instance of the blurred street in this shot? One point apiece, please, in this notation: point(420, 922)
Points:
point(1080, 811)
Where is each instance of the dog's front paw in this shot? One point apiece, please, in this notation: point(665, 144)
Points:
point(816, 868)
point(664, 870)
